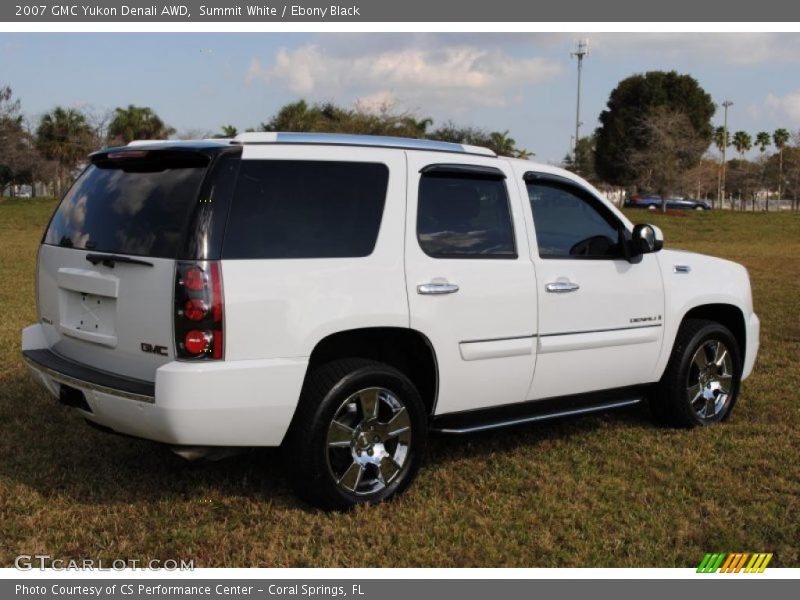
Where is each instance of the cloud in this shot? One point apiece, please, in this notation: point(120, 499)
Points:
point(377, 100)
point(461, 76)
point(456, 72)
point(787, 106)
point(741, 49)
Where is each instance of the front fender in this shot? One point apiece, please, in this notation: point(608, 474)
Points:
point(695, 280)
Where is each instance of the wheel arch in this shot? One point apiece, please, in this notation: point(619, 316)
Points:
point(405, 349)
point(729, 315)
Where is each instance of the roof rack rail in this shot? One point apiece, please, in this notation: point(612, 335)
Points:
point(148, 142)
point(347, 139)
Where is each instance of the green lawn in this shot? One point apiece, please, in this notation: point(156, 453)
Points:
point(610, 490)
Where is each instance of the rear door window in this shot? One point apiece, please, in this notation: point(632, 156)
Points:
point(305, 209)
point(138, 205)
point(464, 216)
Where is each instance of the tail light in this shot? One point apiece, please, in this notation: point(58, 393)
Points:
point(199, 311)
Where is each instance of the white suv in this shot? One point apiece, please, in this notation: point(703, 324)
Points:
point(341, 296)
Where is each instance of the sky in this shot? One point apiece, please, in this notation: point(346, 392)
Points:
point(524, 83)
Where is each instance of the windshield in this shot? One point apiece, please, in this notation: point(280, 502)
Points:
point(135, 206)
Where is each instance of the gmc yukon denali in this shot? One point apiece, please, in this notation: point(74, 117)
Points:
point(342, 296)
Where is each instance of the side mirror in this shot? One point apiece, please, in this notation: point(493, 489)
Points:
point(647, 238)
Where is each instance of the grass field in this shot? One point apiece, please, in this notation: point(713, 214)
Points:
point(610, 490)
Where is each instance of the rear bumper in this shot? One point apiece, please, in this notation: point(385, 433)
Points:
point(227, 403)
point(62, 370)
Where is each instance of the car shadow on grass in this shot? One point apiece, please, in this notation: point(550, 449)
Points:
point(49, 448)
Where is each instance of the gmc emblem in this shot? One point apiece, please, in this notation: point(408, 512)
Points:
point(151, 349)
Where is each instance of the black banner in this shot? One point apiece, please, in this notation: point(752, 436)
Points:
point(472, 11)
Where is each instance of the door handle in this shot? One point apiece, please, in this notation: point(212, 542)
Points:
point(561, 287)
point(436, 288)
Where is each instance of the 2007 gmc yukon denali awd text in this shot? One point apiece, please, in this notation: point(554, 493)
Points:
point(341, 296)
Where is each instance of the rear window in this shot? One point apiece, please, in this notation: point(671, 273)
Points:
point(305, 209)
point(136, 206)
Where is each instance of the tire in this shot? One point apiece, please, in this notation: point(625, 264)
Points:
point(359, 435)
point(700, 208)
point(702, 379)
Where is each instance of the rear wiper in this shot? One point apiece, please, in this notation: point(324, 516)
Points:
point(109, 260)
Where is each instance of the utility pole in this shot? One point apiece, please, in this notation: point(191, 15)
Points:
point(581, 51)
point(727, 104)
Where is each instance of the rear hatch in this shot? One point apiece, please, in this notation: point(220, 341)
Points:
point(106, 272)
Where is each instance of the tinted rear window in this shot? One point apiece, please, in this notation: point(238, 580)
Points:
point(305, 209)
point(464, 217)
point(130, 206)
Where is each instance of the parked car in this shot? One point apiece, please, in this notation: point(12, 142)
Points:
point(654, 203)
point(341, 296)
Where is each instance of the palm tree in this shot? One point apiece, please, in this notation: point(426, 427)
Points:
point(137, 123)
point(502, 144)
point(780, 138)
point(742, 142)
point(229, 131)
point(414, 127)
point(64, 136)
point(763, 140)
point(722, 139)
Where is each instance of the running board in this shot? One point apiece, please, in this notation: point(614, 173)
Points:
point(536, 410)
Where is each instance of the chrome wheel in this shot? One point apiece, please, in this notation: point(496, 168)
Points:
point(710, 379)
point(368, 441)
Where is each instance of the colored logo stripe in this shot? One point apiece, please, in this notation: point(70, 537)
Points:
point(734, 563)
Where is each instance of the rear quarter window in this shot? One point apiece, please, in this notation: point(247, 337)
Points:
point(305, 209)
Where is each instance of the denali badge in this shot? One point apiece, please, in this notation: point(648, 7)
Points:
point(645, 319)
point(151, 349)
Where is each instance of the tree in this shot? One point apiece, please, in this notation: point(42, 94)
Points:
point(742, 142)
point(137, 123)
point(791, 166)
point(673, 146)
point(763, 141)
point(64, 136)
point(701, 181)
point(780, 138)
point(581, 162)
point(229, 131)
point(499, 142)
point(742, 169)
point(384, 120)
point(743, 179)
point(721, 138)
point(330, 118)
point(621, 134)
point(15, 150)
